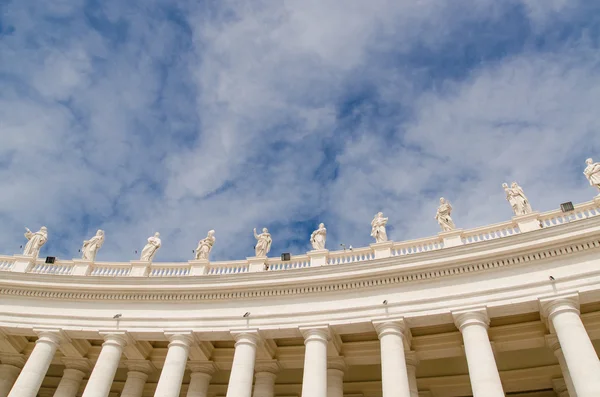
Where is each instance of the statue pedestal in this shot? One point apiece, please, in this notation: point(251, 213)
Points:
point(82, 267)
point(383, 249)
point(318, 257)
point(257, 263)
point(23, 263)
point(199, 267)
point(140, 268)
point(597, 200)
point(528, 222)
point(452, 238)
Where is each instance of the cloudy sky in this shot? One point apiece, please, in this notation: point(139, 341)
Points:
point(183, 116)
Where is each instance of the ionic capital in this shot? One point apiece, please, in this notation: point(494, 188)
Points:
point(316, 333)
point(550, 307)
point(246, 337)
point(465, 318)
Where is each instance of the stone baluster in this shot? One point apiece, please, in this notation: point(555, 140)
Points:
point(336, 366)
point(169, 384)
point(580, 357)
point(314, 379)
point(394, 374)
point(75, 370)
point(483, 372)
point(411, 367)
point(242, 369)
point(9, 371)
point(137, 376)
point(106, 366)
point(201, 374)
point(34, 371)
point(266, 373)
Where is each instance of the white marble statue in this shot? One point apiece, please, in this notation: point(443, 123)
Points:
point(592, 173)
point(90, 247)
point(318, 237)
point(517, 199)
point(378, 228)
point(263, 245)
point(443, 216)
point(150, 249)
point(205, 246)
point(36, 241)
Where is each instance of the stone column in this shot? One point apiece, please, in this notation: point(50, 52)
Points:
point(169, 384)
point(552, 342)
point(242, 369)
point(394, 374)
point(200, 378)
point(137, 375)
point(314, 380)
point(411, 367)
point(335, 377)
point(29, 381)
point(106, 366)
point(580, 356)
point(266, 373)
point(75, 370)
point(483, 372)
point(9, 371)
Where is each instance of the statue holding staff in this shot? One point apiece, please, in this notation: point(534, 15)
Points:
point(36, 241)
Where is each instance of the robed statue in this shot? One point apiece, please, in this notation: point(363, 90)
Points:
point(36, 241)
point(443, 216)
point(517, 199)
point(378, 228)
point(150, 249)
point(90, 247)
point(263, 244)
point(318, 237)
point(592, 173)
point(205, 246)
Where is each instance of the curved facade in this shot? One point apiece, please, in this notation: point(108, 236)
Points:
point(507, 309)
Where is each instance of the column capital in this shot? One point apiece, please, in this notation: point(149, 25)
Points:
point(16, 360)
point(143, 366)
point(316, 332)
point(337, 363)
point(248, 337)
point(204, 367)
point(411, 358)
point(391, 326)
point(477, 316)
point(271, 366)
point(118, 338)
point(79, 364)
point(183, 338)
point(552, 342)
point(549, 307)
point(50, 335)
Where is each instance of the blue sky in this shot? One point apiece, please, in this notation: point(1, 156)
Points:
point(185, 116)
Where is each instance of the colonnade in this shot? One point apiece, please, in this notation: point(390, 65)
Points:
point(322, 377)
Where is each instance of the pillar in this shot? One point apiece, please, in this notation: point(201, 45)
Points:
point(106, 366)
point(266, 373)
point(33, 373)
point(394, 374)
point(552, 342)
point(137, 375)
point(242, 369)
point(169, 384)
point(314, 380)
point(483, 372)
point(9, 371)
point(201, 374)
point(75, 370)
point(335, 377)
point(411, 368)
point(581, 358)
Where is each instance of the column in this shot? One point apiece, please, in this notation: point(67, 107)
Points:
point(552, 342)
point(9, 371)
point(137, 375)
point(580, 356)
point(394, 374)
point(200, 378)
point(106, 366)
point(169, 384)
point(75, 370)
point(29, 381)
point(314, 380)
point(335, 377)
point(411, 368)
point(483, 372)
point(266, 373)
point(242, 369)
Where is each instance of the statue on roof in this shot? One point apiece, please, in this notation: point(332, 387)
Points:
point(150, 249)
point(90, 247)
point(517, 199)
point(205, 246)
point(36, 241)
point(263, 245)
point(443, 216)
point(318, 237)
point(592, 173)
point(378, 228)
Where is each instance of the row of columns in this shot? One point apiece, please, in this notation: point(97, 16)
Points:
point(569, 341)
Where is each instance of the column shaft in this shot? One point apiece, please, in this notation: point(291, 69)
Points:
point(264, 385)
point(394, 374)
point(134, 385)
point(106, 366)
point(199, 383)
point(314, 380)
point(29, 381)
point(335, 383)
point(69, 383)
point(169, 384)
point(411, 368)
point(242, 369)
point(8, 376)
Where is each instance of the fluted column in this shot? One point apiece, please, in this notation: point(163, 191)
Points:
point(483, 372)
point(201, 374)
point(411, 368)
point(31, 377)
point(106, 366)
point(314, 380)
point(169, 384)
point(137, 375)
point(336, 367)
point(552, 342)
point(9, 371)
point(266, 373)
point(580, 356)
point(75, 370)
point(242, 369)
point(394, 374)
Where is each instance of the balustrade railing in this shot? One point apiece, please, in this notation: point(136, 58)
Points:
point(110, 269)
point(6, 263)
point(350, 256)
point(169, 270)
point(490, 232)
point(581, 211)
point(233, 267)
point(61, 267)
point(295, 262)
point(417, 246)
